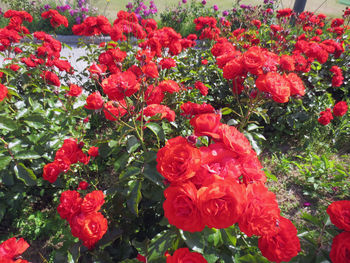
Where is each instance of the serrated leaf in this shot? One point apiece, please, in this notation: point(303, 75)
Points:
point(132, 144)
point(194, 241)
point(25, 174)
point(134, 196)
point(7, 124)
point(156, 129)
point(151, 173)
point(35, 121)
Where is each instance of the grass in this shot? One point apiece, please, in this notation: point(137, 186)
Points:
point(328, 7)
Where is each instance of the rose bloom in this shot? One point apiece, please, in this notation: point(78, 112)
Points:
point(339, 214)
point(283, 246)
point(89, 228)
point(94, 101)
point(51, 172)
point(222, 203)
point(74, 90)
point(183, 255)
point(275, 84)
point(253, 60)
point(178, 160)
point(340, 108)
point(261, 213)
point(340, 250)
point(11, 249)
point(326, 117)
point(92, 202)
point(83, 185)
point(93, 151)
point(70, 204)
point(207, 125)
point(201, 87)
point(181, 207)
point(3, 92)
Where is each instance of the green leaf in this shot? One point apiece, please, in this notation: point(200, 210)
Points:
point(194, 241)
point(271, 176)
point(35, 121)
point(132, 144)
point(27, 155)
point(25, 174)
point(312, 219)
point(151, 173)
point(229, 235)
point(4, 162)
point(252, 127)
point(160, 244)
point(2, 210)
point(129, 172)
point(7, 124)
point(121, 161)
point(156, 129)
point(134, 196)
point(226, 111)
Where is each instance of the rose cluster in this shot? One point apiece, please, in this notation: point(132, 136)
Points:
point(83, 217)
point(11, 249)
point(222, 184)
point(339, 214)
point(339, 110)
point(70, 153)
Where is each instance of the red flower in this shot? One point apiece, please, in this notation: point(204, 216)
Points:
point(340, 248)
point(296, 84)
point(339, 214)
point(178, 160)
point(3, 92)
point(150, 70)
point(261, 213)
point(51, 172)
point(337, 79)
point(11, 249)
point(56, 18)
point(169, 86)
point(114, 109)
point(70, 204)
point(167, 63)
point(222, 203)
point(92, 202)
point(154, 95)
point(189, 109)
point(340, 109)
point(89, 228)
point(184, 255)
point(181, 207)
point(201, 87)
point(51, 78)
point(287, 12)
point(93, 151)
point(141, 258)
point(287, 63)
point(283, 246)
point(74, 90)
point(256, 23)
point(204, 62)
point(83, 185)
point(165, 111)
point(207, 125)
point(253, 60)
point(94, 101)
point(326, 117)
point(276, 85)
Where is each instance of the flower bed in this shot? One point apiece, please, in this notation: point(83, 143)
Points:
point(152, 152)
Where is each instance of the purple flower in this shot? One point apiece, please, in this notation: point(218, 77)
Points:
point(307, 204)
point(225, 13)
point(129, 5)
point(83, 16)
point(243, 6)
point(266, 1)
point(154, 11)
point(146, 12)
point(184, 1)
point(78, 20)
point(204, 2)
point(47, 7)
point(83, 9)
point(215, 7)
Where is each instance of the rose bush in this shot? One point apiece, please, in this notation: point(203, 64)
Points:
point(153, 147)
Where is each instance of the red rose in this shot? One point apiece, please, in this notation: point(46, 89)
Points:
point(51, 171)
point(201, 87)
point(150, 70)
point(339, 214)
point(167, 63)
point(74, 90)
point(169, 86)
point(253, 60)
point(340, 108)
point(181, 207)
point(297, 85)
point(222, 203)
point(251, 169)
point(178, 160)
point(51, 78)
point(83, 185)
point(204, 62)
point(283, 246)
point(233, 68)
point(11, 249)
point(89, 228)
point(94, 101)
point(340, 248)
point(154, 95)
point(154, 109)
point(114, 109)
point(183, 255)
point(120, 84)
point(287, 63)
point(3, 92)
point(261, 213)
point(276, 85)
point(93, 151)
point(141, 258)
point(92, 202)
point(189, 109)
point(326, 117)
point(207, 125)
point(70, 204)
point(68, 151)
point(234, 140)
